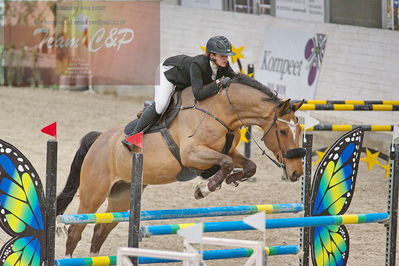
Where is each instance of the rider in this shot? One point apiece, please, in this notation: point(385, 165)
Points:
point(206, 74)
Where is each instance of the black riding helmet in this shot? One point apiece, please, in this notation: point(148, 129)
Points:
point(219, 45)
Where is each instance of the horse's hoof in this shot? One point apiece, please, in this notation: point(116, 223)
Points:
point(202, 190)
point(284, 177)
point(234, 184)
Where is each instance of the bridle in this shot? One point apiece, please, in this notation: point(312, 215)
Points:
point(289, 154)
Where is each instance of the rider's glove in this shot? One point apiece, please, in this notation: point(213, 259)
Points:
point(223, 82)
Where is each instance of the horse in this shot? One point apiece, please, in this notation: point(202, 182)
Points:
point(102, 166)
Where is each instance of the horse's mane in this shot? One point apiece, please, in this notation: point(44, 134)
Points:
point(246, 80)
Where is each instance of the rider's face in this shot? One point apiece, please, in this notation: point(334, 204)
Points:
point(220, 60)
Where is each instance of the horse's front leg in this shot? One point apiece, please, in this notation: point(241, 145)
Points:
point(202, 157)
point(248, 168)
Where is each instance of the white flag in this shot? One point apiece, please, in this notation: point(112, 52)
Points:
point(257, 221)
point(395, 133)
point(310, 121)
point(193, 233)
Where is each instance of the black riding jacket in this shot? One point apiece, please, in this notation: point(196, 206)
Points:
point(196, 72)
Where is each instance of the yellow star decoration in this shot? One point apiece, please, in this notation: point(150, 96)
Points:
point(243, 137)
point(387, 167)
point(238, 54)
point(371, 159)
point(235, 57)
point(320, 155)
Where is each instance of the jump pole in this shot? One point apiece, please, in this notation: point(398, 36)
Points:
point(116, 217)
point(391, 227)
point(337, 127)
point(305, 198)
point(217, 254)
point(360, 102)
point(135, 202)
point(312, 221)
point(349, 107)
point(51, 193)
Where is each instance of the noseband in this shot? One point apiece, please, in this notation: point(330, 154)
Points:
point(295, 153)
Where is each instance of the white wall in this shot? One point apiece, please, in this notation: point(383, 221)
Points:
point(359, 63)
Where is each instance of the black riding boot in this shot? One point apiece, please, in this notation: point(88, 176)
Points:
point(147, 119)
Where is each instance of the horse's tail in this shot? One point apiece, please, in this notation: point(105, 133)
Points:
point(73, 181)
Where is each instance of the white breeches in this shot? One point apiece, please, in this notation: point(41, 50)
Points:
point(163, 91)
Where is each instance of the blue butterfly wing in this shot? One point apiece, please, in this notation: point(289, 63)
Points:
point(332, 191)
point(22, 251)
point(335, 176)
point(21, 212)
point(330, 245)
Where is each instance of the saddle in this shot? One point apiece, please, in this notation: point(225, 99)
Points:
point(162, 126)
point(166, 118)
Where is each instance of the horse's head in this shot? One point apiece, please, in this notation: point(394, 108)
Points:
point(282, 137)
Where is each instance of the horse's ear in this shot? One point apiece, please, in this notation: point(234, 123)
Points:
point(298, 105)
point(284, 106)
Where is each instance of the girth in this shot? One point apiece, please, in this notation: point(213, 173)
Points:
point(189, 173)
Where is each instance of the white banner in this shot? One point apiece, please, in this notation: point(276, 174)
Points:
point(290, 62)
point(312, 10)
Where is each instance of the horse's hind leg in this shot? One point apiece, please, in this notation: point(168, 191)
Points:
point(75, 232)
point(90, 201)
point(74, 236)
point(118, 201)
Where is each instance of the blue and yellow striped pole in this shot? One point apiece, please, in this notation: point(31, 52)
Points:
point(349, 107)
point(97, 261)
point(208, 255)
point(310, 221)
point(180, 213)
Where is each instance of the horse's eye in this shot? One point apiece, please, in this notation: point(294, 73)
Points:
point(283, 132)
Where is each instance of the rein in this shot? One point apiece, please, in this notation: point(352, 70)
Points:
point(208, 113)
point(279, 165)
point(289, 154)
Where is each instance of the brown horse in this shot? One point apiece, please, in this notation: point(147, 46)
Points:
point(102, 166)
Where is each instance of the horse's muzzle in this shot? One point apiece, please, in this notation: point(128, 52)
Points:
point(295, 153)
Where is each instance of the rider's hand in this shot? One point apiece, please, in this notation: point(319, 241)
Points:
point(223, 82)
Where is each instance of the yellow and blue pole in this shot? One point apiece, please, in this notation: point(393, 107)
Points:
point(180, 213)
point(208, 255)
point(310, 221)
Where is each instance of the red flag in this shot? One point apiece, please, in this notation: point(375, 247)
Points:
point(50, 129)
point(136, 139)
